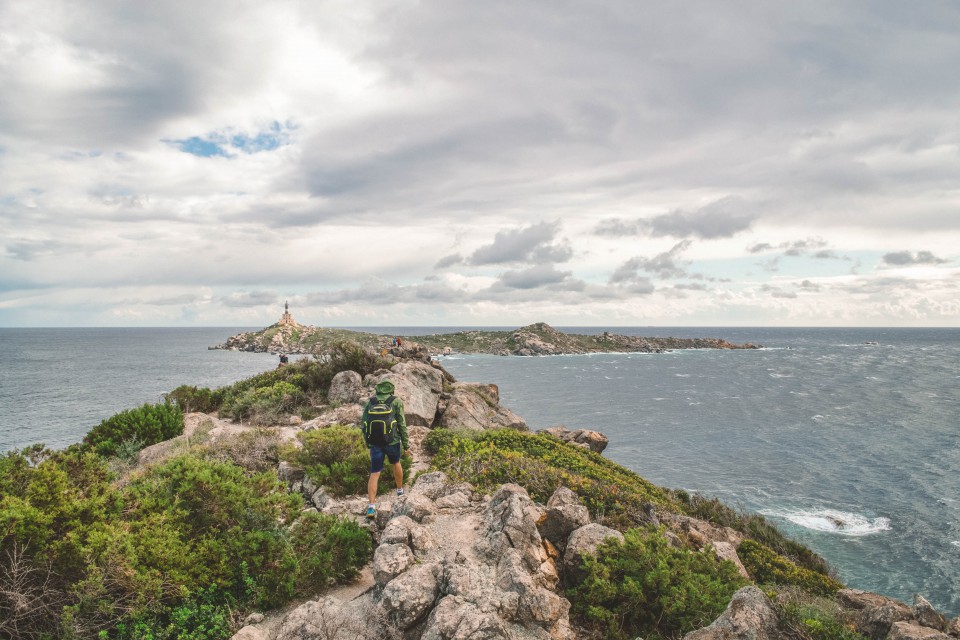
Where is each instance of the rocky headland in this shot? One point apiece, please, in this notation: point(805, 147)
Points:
point(539, 339)
point(453, 561)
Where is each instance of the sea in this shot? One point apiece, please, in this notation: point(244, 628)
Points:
point(847, 439)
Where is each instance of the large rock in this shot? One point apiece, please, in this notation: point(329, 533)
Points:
point(876, 614)
point(345, 388)
point(749, 616)
point(403, 530)
point(416, 506)
point(581, 542)
point(249, 633)
point(418, 385)
point(953, 627)
point(565, 514)
point(477, 407)
point(913, 631)
point(926, 615)
point(455, 618)
point(409, 597)
point(345, 414)
point(593, 440)
point(389, 561)
point(329, 619)
point(512, 524)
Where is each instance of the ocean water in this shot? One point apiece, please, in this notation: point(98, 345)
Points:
point(57, 384)
point(852, 448)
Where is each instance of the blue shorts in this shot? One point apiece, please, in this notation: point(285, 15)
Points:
point(392, 452)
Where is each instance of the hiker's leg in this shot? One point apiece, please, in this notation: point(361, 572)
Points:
point(372, 486)
point(398, 475)
point(376, 466)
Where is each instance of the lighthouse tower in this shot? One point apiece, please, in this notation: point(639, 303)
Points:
point(286, 318)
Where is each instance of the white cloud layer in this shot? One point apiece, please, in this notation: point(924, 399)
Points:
point(460, 163)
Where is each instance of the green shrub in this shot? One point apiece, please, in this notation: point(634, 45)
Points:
point(190, 399)
point(146, 425)
point(756, 527)
point(336, 458)
point(540, 464)
point(766, 566)
point(328, 549)
point(263, 404)
point(807, 617)
point(643, 586)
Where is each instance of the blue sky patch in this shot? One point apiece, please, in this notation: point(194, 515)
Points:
point(226, 143)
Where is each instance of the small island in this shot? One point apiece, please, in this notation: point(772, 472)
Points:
point(538, 339)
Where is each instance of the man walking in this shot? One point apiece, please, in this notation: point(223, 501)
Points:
point(385, 434)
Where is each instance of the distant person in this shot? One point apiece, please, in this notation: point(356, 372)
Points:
point(399, 342)
point(283, 360)
point(385, 434)
point(394, 342)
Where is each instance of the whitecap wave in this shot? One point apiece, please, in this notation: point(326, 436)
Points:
point(956, 543)
point(833, 521)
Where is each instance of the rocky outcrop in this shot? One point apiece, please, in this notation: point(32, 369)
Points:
point(914, 631)
point(564, 515)
point(419, 386)
point(477, 406)
point(345, 388)
point(749, 616)
point(593, 440)
point(538, 339)
point(478, 570)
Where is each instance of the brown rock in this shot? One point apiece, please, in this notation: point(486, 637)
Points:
point(913, 631)
point(927, 615)
point(749, 616)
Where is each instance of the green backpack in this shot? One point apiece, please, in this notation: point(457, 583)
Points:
point(381, 422)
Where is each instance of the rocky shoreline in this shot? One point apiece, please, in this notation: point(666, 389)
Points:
point(539, 339)
point(452, 562)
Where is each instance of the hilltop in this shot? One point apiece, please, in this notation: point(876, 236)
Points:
point(535, 339)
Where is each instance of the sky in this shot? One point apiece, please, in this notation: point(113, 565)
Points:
point(497, 163)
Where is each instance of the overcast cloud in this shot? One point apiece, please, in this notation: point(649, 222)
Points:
point(495, 163)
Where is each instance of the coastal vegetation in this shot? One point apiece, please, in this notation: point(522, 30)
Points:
point(94, 544)
point(337, 459)
point(293, 389)
point(175, 550)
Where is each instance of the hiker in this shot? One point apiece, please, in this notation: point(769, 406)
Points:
point(385, 434)
point(283, 360)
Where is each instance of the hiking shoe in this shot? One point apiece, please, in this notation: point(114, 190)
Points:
point(371, 512)
point(399, 492)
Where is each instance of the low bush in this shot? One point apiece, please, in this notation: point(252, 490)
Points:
point(263, 405)
point(145, 425)
point(328, 549)
point(806, 617)
point(190, 398)
point(336, 458)
point(540, 464)
point(645, 587)
point(172, 553)
point(766, 566)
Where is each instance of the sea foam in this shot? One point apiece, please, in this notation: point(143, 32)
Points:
point(833, 521)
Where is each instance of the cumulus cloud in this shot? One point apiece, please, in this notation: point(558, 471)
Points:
point(663, 265)
point(524, 244)
point(906, 258)
point(721, 219)
point(533, 277)
point(171, 145)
